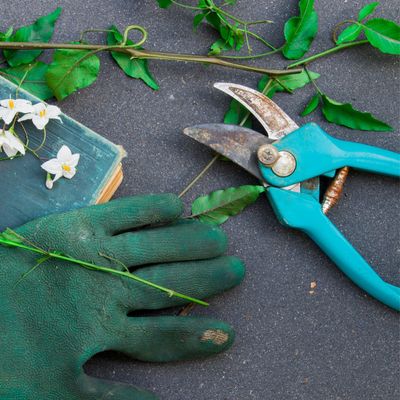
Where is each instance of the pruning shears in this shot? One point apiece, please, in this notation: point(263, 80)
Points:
point(290, 162)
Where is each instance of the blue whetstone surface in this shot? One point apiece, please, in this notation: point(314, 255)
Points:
point(24, 195)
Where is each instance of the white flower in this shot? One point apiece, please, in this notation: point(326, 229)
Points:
point(10, 108)
point(64, 165)
point(42, 114)
point(49, 182)
point(11, 144)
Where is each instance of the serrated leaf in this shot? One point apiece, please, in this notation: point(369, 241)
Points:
point(71, 70)
point(135, 68)
point(164, 3)
point(367, 10)
point(384, 35)
point(197, 20)
point(346, 115)
point(40, 31)
point(311, 105)
point(349, 34)
point(300, 31)
point(236, 114)
point(35, 78)
point(292, 82)
point(217, 207)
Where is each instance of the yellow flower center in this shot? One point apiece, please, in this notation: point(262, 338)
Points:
point(42, 113)
point(66, 168)
point(11, 104)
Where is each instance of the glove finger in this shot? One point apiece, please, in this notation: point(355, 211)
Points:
point(95, 389)
point(133, 212)
point(199, 279)
point(167, 338)
point(179, 242)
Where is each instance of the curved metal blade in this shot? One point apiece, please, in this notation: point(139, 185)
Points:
point(274, 120)
point(234, 142)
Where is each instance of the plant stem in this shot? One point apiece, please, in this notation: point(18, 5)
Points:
point(186, 6)
point(327, 52)
point(200, 175)
point(100, 268)
point(250, 57)
point(144, 54)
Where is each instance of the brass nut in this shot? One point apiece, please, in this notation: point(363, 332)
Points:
point(268, 154)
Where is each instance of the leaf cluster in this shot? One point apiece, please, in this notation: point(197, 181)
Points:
point(233, 31)
point(69, 70)
point(299, 33)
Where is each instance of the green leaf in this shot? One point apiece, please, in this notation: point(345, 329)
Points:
point(135, 68)
point(292, 82)
point(4, 36)
point(236, 114)
point(346, 115)
point(35, 78)
point(197, 20)
point(367, 10)
point(349, 34)
point(218, 206)
point(219, 46)
point(384, 35)
point(164, 3)
point(311, 105)
point(214, 20)
point(40, 31)
point(71, 70)
point(300, 31)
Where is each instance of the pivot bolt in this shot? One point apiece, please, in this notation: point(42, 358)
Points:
point(285, 165)
point(268, 154)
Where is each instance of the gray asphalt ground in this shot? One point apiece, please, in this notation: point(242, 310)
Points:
point(337, 343)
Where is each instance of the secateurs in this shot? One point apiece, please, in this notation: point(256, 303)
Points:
point(290, 162)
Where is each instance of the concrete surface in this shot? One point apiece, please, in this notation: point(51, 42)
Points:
point(335, 344)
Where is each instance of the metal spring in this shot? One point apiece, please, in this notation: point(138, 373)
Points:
point(335, 189)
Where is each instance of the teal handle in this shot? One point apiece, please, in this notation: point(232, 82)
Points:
point(301, 211)
point(318, 153)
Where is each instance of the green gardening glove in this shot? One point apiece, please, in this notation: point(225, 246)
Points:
point(62, 314)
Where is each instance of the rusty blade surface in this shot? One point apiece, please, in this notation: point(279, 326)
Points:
point(274, 120)
point(234, 142)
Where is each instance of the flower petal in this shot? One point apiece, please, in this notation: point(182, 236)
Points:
point(23, 106)
point(10, 151)
point(53, 166)
point(53, 111)
point(4, 103)
point(69, 174)
point(15, 142)
point(26, 117)
point(57, 176)
point(39, 107)
point(64, 154)
point(7, 118)
point(73, 161)
point(39, 122)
